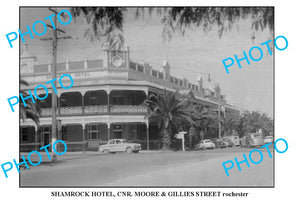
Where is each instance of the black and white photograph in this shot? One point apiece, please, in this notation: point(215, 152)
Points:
point(146, 96)
point(149, 106)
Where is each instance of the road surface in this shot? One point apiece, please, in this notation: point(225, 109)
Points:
point(188, 169)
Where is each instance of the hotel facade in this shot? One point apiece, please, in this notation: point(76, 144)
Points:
point(106, 100)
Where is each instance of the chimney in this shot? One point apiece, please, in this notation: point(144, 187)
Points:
point(185, 83)
point(165, 69)
point(200, 82)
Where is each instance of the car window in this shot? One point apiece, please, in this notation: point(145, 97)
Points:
point(118, 141)
point(112, 142)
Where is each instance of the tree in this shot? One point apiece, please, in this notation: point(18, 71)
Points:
point(198, 113)
point(181, 18)
point(201, 116)
point(231, 122)
point(253, 121)
point(32, 110)
point(108, 21)
point(105, 22)
point(166, 110)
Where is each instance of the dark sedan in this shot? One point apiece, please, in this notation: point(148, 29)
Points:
point(219, 143)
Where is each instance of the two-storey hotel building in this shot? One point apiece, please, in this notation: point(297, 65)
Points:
point(106, 100)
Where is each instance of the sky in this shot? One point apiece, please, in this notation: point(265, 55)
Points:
point(250, 87)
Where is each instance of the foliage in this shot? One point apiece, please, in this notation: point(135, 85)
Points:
point(182, 18)
point(108, 21)
point(231, 122)
point(253, 121)
point(32, 110)
point(167, 110)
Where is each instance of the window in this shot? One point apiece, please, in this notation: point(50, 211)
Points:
point(24, 135)
point(63, 101)
point(132, 65)
point(117, 98)
point(140, 68)
point(154, 73)
point(93, 98)
point(93, 132)
point(93, 135)
point(64, 133)
point(160, 75)
point(112, 142)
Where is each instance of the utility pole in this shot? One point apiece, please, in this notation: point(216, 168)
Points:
point(219, 121)
point(54, 96)
point(221, 108)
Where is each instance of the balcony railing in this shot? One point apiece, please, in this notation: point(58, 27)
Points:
point(128, 109)
point(98, 109)
point(46, 112)
point(71, 110)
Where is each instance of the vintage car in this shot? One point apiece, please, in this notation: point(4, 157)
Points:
point(205, 144)
point(219, 143)
point(120, 145)
point(233, 139)
point(268, 139)
point(252, 140)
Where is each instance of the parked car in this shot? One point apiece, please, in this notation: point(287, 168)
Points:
point(234, 139)
point(205, 144)
point(220, 143)
point(228, 142)
point(252, 140)
point(120, 145)
point(268, 139)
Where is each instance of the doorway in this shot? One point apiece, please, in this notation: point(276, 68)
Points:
point(117, 131)
point(45, 136)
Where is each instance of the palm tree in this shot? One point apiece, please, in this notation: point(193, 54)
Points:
point(32, 110)
point(231, 122)
point(166, 110)
point(253, 121)
point(199, 115)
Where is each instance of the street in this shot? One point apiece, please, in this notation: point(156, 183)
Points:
point(153, 168)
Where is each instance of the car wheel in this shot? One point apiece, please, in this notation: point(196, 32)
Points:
point(106, 151)
point(128, 150)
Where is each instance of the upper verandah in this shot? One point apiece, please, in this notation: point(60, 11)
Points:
point(117, 65)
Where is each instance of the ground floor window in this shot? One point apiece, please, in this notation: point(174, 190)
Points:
point(141, 132)
point(93, 132)
point(72, 133)
point(27, 134)
point(24, 135)
point(117, 131)
point(64, 133)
